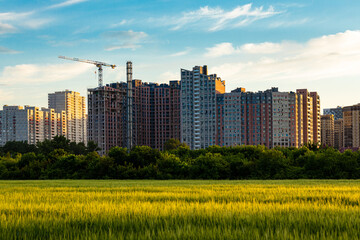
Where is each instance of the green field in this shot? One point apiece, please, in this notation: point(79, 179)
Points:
point(89, 209)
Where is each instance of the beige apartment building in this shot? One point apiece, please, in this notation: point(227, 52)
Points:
point(327, 130)
point(311, 116)
point(75, 111)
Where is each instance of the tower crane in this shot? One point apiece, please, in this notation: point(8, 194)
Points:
point(98, 64)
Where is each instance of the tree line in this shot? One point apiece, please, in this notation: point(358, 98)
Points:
point(61, 159)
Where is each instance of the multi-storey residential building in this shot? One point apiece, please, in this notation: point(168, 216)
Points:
point(339, 133)
point(287, 119)
point(54, 123)
point(156, 114)
point(166, 113)
point(269, 118)
point(337, 112)
point(231, 118)
point(74, 107)
point(256, 118)
point(351, 116)
point(107, 117)
point(316, 117)
point(308, 115)
point(198, 107)
point(327, 130)
point(29, 124)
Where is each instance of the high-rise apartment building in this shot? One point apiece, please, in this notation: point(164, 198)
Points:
point(270, 118)
point(308, 115)
point(74, 107)
point(337, 112)
point(327, 130)
point(316, 117)
point(107, 117)
point(287, 119)
point(351, 117)
point(30, 124)
point(248, 116)
point(339, 133)
point(156, 114)
point(198, 107)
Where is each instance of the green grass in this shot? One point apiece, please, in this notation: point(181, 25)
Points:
point(178, 209)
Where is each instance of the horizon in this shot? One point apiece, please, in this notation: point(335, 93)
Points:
point(254, 45)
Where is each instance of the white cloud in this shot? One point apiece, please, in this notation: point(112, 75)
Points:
point(215, 19)
point(27, 74)
point(327, 57)
point(66, 3)
point(221, 49)
point(124, 39)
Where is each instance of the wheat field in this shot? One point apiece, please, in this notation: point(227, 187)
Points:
point(145, 209)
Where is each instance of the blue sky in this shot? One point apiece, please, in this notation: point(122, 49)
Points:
point(252, 44)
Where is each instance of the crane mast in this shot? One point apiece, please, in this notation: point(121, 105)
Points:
point(129, 106)
point(98, 64)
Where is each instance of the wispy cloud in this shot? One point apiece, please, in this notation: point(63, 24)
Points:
point(285, 24)
point(124, 39)
point(181, 53)
point(326, 57)
point(121, 23)
point(215, 19)
point(226, 48)
point(65, 4)
point(4, 50)
point(6, 28)
point(11, 22)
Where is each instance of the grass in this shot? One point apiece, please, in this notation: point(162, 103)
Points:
point(106, 209)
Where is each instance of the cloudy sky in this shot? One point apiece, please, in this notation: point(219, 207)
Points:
point(312, 44)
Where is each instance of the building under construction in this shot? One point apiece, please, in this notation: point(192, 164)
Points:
point(155, 111)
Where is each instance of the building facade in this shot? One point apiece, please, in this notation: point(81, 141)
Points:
point(339, 133)
point(316, 117)
point(287, 119)
point(337, 112)
point(327, 130)
point(75, 109)
point(30, 124)
point(107, 117)
point(156, 114)
point(351, 121)
point(198, 107)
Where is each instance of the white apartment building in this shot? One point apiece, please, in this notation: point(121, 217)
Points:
point(75, 110)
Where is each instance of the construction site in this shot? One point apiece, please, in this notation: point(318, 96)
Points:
point(131, 113)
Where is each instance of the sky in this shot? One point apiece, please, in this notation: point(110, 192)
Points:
point(313, 44)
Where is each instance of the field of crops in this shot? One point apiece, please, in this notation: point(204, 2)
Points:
point(300, 209)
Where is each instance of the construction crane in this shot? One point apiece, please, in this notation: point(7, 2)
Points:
point(98, 64)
